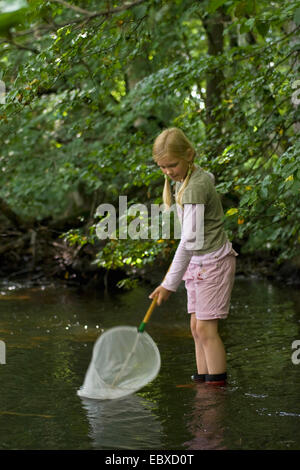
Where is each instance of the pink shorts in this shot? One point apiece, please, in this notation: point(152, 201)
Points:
point(209, 287)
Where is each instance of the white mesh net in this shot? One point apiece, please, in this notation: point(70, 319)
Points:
point(123, 362)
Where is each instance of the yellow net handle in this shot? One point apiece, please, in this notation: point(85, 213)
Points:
point(150, 310)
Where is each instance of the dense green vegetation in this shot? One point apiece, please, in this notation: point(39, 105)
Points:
point(89, 85)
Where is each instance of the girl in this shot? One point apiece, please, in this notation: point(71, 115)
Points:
point(207, 263)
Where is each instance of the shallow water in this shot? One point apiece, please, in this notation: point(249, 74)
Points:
point(49, 333)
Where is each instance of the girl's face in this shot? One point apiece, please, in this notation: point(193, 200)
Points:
point(175, 168)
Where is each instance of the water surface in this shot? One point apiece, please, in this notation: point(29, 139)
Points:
point(49, 333)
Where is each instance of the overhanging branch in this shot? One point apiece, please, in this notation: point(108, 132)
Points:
point(94, 14)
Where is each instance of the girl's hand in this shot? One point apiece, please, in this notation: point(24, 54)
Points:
point(162, 293)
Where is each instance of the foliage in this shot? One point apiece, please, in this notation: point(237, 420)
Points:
point(88, 89)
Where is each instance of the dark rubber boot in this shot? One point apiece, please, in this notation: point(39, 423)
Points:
point(198, 377)
point(216, 379)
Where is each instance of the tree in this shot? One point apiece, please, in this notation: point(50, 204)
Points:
point(90, 84)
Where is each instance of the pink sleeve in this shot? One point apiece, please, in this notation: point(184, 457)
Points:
point(183, 255)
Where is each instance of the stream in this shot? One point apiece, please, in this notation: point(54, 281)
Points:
point(47, 335)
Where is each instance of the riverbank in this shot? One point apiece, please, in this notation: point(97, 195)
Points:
point(54, 260)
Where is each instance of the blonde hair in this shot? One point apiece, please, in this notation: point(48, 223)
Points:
point(173, 143)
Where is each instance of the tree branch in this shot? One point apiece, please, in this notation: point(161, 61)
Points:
point(73, 7)
point(20, 46)
point(10, 214)
point(94, 14)
point(88, 16)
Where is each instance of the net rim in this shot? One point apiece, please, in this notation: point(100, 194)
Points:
point(124, 328)
point(119, 392)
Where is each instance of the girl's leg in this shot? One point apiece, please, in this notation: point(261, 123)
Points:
point(199, 351)
point(208, 337)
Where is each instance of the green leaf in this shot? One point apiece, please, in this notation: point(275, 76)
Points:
point(11, 14)
point(12, 5)
point(215, 4)
point(240, 9)
point(247, 26)
point(246, 7)
point(262, 27)
point(297, 16)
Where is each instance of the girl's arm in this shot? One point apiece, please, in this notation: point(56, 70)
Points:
point(186, 247)
point(191, 214)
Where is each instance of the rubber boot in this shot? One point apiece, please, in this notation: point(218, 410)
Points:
point(216, 379)
point(198, 377)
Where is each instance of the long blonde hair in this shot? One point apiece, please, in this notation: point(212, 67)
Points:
point(173, 143)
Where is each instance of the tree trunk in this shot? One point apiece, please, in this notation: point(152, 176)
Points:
point(214, 28)
point(295, 61)
point(10, 214)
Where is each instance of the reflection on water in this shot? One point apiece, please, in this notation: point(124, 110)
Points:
point(124, 423)
point(49, 333)
point(206, 419)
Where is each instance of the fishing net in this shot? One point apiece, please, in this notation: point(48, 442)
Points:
point(123, 361)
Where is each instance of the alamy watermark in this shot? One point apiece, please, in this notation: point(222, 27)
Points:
point(2, 352)
point(2, 92)
point(150, 223)
point(296, 94)
point(296, 354)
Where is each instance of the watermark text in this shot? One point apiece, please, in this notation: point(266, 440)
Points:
point(2, 352)
point(2, 92)
point(296, 94)
point(296, 354)
point(141, 222)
